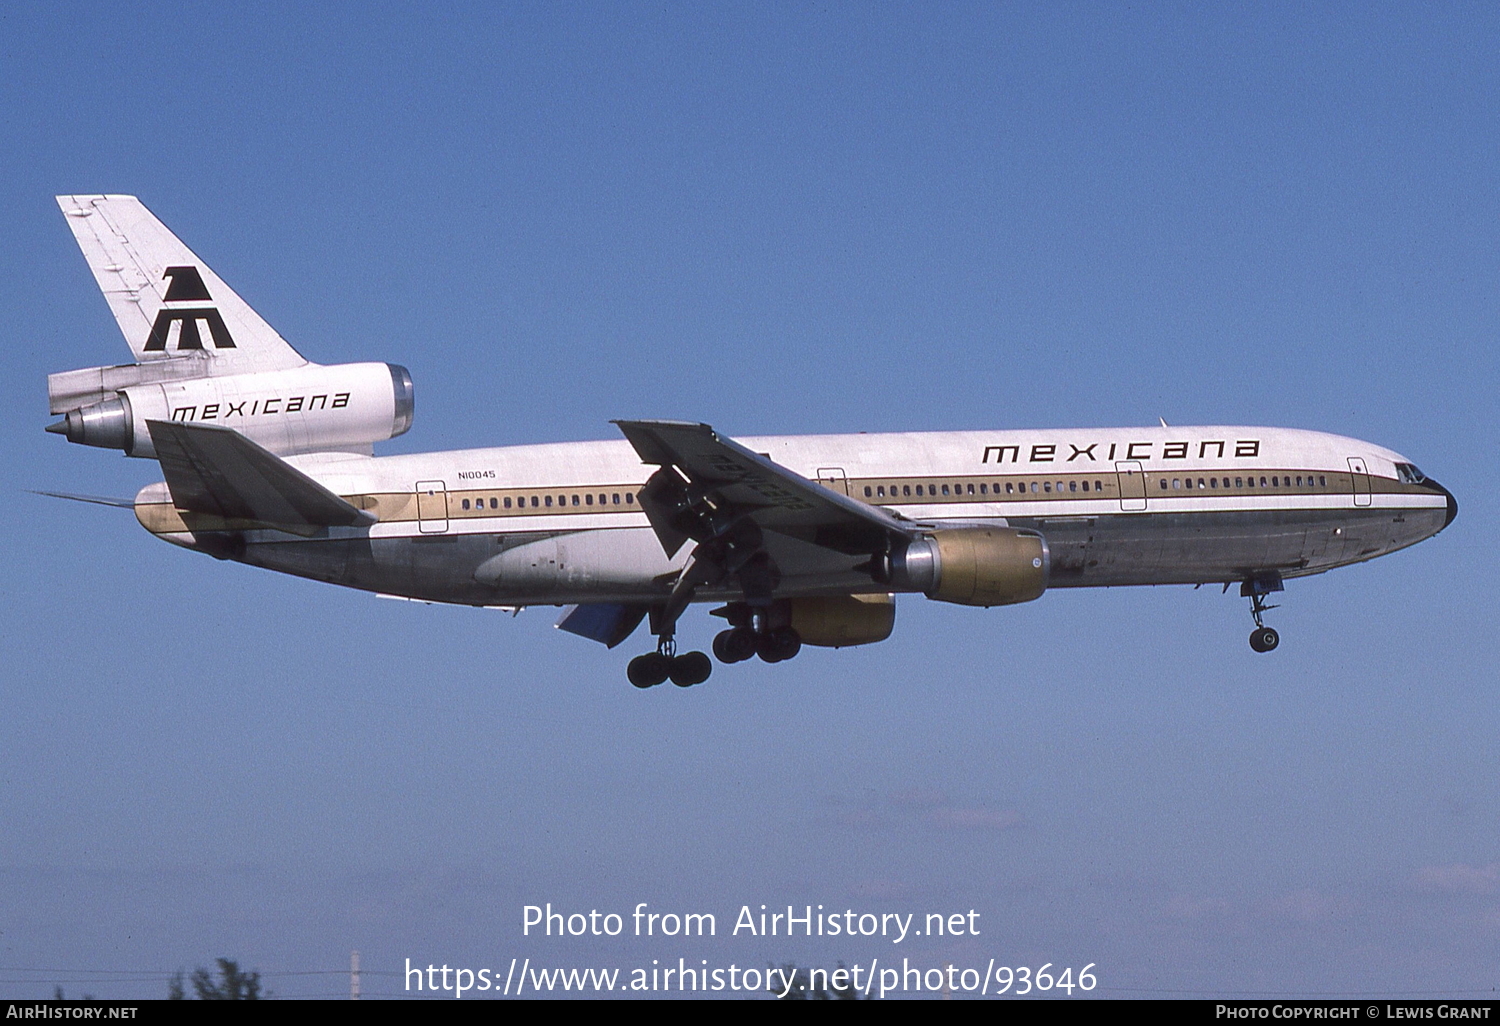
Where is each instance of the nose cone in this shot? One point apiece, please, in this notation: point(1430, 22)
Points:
point(1452, 502)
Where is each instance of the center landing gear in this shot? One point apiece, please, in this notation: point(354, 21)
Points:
point(1263, 638)
point(653, 668)
point(755, 631)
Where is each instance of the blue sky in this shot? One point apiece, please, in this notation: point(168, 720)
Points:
point(778, 219)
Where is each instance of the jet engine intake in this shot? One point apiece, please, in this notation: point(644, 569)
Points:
point(975, 566)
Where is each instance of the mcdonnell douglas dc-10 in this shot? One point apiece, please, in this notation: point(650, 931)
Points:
point(801, 540)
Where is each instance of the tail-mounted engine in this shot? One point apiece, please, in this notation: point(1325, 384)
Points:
point(313, 408)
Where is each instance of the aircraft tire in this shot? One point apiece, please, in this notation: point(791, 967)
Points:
point(1264, 639)
point(779, 645)
point(734, 645)
point(765, 647)
point(691, 668)
point(649, 670)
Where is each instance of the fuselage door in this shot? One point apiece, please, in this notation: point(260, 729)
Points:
point(1361, 475)
point(432, 507)
point(833, 477)
point(1132, 486)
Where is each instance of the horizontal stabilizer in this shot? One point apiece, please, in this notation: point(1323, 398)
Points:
point(608, 623)
point(98, 500)
point(220, 472)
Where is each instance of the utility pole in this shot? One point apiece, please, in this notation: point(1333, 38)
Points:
point(354, 976)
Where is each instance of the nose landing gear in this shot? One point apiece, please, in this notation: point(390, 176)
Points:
point(1263, 638)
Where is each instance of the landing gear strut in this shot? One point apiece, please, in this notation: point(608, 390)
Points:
point(1263, 638)
point(653, 668)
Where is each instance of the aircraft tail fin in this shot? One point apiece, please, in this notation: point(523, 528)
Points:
point(219, 472)
point(167, 302)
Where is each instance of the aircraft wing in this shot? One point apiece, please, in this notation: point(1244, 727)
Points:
point(740, 483)
point(218, 471)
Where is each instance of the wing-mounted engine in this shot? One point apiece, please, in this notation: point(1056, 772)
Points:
point(839, 621)
point(344, 407)
point(974, 566)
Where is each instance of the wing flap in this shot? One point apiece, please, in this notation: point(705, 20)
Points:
point(606, 622)
point(220, 472)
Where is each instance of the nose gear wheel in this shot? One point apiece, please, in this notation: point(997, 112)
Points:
point(1263, 638)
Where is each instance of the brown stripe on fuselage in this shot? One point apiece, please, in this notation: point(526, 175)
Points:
point(401, 507)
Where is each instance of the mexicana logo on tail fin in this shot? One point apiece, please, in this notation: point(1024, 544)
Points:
point(187, 287)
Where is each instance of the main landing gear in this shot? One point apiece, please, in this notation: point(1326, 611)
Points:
point(654, 668)
point(1263, 638)
point(753, 631)
point(756, 631)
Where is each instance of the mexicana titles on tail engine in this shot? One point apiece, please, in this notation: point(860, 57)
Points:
point(800, 540)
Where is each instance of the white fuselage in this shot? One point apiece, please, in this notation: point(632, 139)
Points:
point(561, 523)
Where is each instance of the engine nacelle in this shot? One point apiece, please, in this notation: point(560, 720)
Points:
point(313, 408)
point(975, 566)
point(843, 620)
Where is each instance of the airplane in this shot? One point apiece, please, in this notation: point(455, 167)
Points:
point(268, 459)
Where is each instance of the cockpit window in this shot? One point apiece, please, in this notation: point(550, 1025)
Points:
point(1409, 474)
